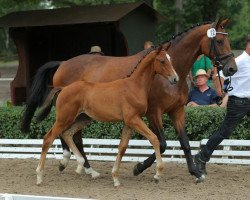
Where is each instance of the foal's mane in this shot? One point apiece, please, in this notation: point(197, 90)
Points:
point(144, 56)
point(180, 35)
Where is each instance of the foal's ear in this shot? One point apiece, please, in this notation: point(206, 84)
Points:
point(167, 47)
point(159, 48)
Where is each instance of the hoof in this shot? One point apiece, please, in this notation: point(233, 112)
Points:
point(61, 167)
point(95, 174)
point(201, 179)
point(156, 178)
point(117, 184)
point(136, 170)
point(92, 172)
point(39, 181)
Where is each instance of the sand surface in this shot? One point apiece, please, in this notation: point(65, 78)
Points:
point(222, 182)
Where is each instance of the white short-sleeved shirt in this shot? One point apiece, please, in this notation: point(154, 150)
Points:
point(240, 81)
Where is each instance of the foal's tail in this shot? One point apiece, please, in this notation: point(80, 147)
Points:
point(47, 105)
point(39, 92)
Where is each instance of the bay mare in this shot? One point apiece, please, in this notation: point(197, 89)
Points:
point(163, 98)
point(120, 100)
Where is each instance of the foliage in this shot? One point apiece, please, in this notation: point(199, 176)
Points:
point(192, 12)
point(201, 122)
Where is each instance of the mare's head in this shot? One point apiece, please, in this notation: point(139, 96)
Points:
point(163, 65)
point(217, 46)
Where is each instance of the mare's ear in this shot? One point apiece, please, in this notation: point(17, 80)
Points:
point(218, 23)
point(224, 23)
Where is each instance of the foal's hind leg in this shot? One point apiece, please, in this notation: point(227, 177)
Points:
point(47, 142)
point(126, 135)
point(138, 124)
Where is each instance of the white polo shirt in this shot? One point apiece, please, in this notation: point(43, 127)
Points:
point(240, 81)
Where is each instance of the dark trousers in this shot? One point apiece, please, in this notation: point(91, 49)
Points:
point(237, 108)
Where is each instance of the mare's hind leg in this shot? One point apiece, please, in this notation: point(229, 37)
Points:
point(78, 141)
point(67, 136)
point(77, 138)
point(138, 124)
point(125, 136)
point(47, 142)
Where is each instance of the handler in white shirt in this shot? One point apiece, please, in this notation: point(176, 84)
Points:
point(238, 107)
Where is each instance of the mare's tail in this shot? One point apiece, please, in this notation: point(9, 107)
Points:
point(39, 92)
point(47, 105)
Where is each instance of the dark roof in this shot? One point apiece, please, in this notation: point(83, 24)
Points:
point(74, 15)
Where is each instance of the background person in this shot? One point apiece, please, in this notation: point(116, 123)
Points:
point(204, 63)
point(202, 94)
point(148, 44)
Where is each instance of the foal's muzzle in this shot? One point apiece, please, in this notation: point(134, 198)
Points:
point(173, 79)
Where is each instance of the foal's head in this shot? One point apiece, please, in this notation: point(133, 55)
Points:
point(163, 65)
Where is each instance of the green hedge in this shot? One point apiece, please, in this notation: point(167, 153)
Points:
point(201, 122)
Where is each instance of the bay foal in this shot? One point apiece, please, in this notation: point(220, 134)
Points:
point(121, 100)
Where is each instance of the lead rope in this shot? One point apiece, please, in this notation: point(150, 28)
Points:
point(226, 90)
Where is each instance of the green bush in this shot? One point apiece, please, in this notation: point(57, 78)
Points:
point(201, 122)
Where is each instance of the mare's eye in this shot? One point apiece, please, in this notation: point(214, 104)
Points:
point(220, 42)
point(162, 61)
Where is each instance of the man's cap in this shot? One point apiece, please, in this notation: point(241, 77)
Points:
point(96, 49)
point(201, 72)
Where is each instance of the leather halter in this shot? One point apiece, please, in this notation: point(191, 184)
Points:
point(213, 48)
point(217, 61)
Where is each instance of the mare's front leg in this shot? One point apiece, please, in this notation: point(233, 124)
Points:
point(178, 118)
point(155, 124)
point(125, 137)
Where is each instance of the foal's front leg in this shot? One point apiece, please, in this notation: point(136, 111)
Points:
point(138, 124)
point(125, 136)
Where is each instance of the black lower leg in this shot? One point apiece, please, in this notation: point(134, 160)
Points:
point(140, 167)
point(187, 151)
point(77, 138)
point(64, 146)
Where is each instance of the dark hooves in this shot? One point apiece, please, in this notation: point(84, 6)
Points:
point(136, 170)
point(61, 167)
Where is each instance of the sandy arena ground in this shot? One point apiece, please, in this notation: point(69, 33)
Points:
point(223, 182)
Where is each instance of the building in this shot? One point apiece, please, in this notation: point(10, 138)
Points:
point(59, 34)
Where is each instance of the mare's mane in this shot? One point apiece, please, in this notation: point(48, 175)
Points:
point(176, 38)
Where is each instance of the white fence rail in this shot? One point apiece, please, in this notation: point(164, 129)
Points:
point(228, 152)
point(33, 197)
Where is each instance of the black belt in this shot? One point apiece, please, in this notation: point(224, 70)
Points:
point(242, 98)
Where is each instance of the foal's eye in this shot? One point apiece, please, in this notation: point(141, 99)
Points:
point(220, 42)
point(162, 61)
